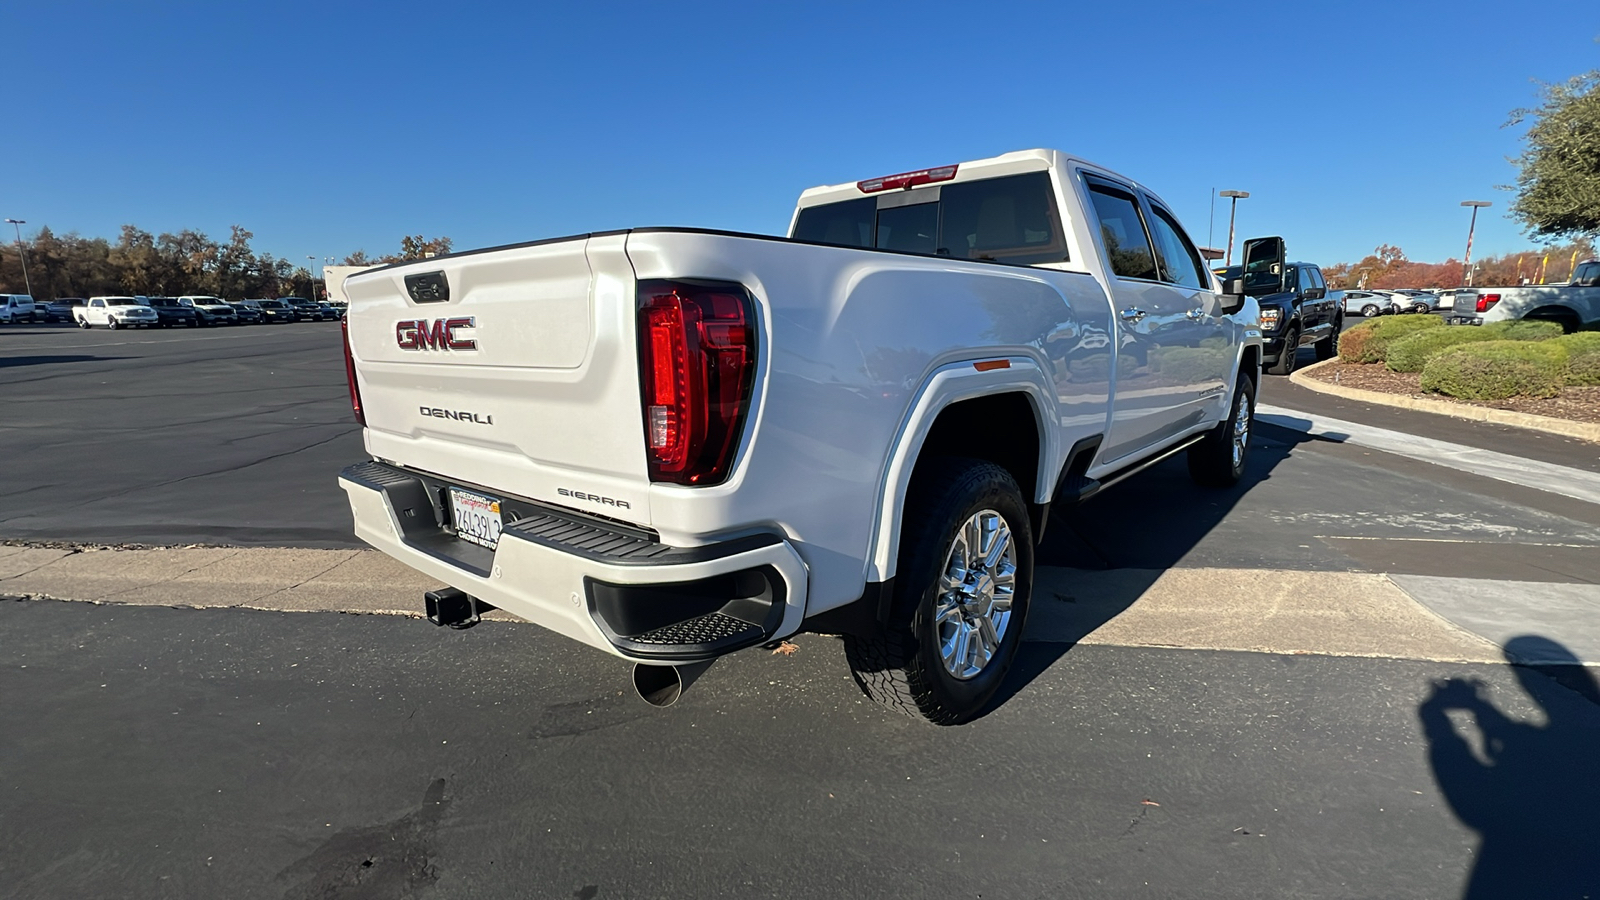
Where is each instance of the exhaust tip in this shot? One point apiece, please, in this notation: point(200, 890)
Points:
point(661, 686)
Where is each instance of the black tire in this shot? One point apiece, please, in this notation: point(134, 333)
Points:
point(84, 324)
point(1291, 349)
point(1212, 462)
point(1328, 347)
point(112, 323)
point(900, 665)
point(1371, 310)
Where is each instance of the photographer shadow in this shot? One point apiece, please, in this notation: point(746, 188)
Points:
point(1530, 790)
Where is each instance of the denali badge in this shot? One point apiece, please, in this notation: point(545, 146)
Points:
point(459, 415)
point(594, 498)
point(439, 334)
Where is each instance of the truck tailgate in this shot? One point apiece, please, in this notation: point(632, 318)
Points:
point(513, 369)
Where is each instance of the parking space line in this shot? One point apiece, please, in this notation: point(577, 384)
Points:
point(1561, 480)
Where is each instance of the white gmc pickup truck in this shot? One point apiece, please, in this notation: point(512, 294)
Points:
point(674, 443)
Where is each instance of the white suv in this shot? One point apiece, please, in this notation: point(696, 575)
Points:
point(17, 308)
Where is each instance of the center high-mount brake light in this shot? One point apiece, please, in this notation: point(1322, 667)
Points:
point(350, 375)
point(906, 179)
point(1486, 302)
point(697, 362)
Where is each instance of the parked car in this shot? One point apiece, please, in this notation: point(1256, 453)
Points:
point(1365, 303)
point(1574, 305)
point(1416, 301)
point(210, 310)
point(276, 311)
point(329, 311)
point(115, 312)
point(1295, 311)
point(308, 310)
point(170, 312)
point(17, 308)
point(247, 312)
point(59, 309)
point(927, 335)
point(1450, 297)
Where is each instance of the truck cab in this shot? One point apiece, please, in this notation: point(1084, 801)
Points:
point(1296, 310)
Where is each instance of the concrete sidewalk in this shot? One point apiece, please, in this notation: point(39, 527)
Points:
point(1264, 610)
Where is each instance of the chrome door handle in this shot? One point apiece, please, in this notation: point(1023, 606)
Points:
point(1132, 314)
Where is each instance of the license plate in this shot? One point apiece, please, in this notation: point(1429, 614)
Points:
point(476, 517)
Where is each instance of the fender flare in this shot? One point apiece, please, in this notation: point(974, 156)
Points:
point(953, 383)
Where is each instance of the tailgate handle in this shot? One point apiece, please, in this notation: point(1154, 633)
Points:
point(428, 287)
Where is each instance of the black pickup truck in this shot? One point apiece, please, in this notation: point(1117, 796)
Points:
point(1295, 310)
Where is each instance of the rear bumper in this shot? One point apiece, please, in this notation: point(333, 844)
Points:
point(611, 588)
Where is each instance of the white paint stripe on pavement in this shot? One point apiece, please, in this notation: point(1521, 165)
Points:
point(1530, 473)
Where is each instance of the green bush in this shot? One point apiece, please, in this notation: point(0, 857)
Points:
point(1523, 330)
point(1369, 342)
point(1495, 370)
point(1412, 352)
point(1583, 356)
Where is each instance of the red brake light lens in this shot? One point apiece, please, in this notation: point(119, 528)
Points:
point(1486, 302)
point(906, 179)
point(697, 354)
point(350, 374)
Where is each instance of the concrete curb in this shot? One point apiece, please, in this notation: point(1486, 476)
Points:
point(1258, 610)
point(1564, 427)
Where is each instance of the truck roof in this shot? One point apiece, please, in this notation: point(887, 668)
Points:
point(1015, 162)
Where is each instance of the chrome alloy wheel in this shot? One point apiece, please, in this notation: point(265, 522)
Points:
point(975, 593)
point(1241, 431)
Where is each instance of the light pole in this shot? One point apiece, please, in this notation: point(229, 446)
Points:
point(1234, 197)
point(26, 281)
point(1475, 204)
point(311, 270)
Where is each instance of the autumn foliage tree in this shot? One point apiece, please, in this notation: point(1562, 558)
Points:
point(187, 262)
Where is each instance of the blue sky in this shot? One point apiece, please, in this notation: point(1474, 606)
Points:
point(325, 127)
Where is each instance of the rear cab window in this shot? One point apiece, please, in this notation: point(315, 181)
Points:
point(1010, 219)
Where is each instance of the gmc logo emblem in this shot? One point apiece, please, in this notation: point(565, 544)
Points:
point(439, 334)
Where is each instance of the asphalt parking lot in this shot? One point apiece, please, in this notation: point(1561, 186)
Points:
point(158, 751)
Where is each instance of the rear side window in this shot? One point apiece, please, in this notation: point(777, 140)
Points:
point(1012, 219)
point(1122, 230)
point(1180, 262)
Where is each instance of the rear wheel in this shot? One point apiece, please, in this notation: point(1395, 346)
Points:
point(1328, 347)
point(1291, 350)
point(83, 323)
point(1218, 459)
point(1370, 310)
point(961, 595)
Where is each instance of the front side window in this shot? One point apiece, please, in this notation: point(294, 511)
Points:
point(1180, 261)
point(1122, 230)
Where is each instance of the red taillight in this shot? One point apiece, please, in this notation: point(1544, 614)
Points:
point(1486, 302)
point(906, 179)
point(697, 361)
point(350, 374)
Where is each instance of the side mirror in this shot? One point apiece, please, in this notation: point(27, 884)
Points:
point(1263, 264)
point(1232, 299)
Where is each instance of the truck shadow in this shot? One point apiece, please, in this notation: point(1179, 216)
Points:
point(11, 362)
point(1526, 787)
point(1125, 539)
